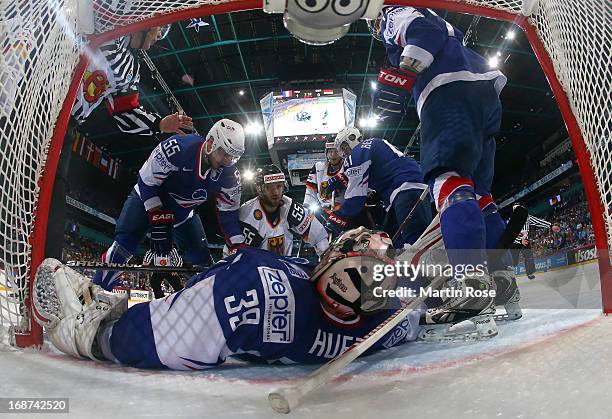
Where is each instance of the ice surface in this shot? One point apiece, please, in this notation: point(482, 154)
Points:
point(555, 362)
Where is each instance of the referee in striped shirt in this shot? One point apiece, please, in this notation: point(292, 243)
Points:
point(110, 80)
point(523, 246)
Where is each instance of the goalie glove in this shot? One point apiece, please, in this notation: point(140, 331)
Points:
point(394, 89)
point(161, 252)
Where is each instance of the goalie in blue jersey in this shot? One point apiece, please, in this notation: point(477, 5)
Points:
point(254, 305)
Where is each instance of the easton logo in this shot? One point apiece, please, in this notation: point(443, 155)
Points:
point(393, 79)
point(163, 217)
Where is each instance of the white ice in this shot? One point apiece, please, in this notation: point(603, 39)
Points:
point(555, 362)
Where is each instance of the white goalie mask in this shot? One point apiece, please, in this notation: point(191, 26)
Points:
point(344, 277)
point(321, 22)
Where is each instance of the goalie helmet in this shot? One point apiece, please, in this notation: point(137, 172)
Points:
point(350, 135)
point(321, 22)
point(344, 278)
point(229, 136)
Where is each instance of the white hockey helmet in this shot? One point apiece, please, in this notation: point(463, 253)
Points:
point(321, 22)
point(350, 135)
point(345, 276)
point(229, 136)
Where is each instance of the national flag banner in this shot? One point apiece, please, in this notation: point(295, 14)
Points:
point(287, 93)
point(328, 91)
point(77, 140)
point(90, 151)
point(111, 167)
point(104, 163)
point(97, 157)
point(116, 170)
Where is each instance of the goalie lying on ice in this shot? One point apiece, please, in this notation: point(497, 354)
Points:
point(254, 305)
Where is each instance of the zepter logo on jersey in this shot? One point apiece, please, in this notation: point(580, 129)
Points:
point(321, 22)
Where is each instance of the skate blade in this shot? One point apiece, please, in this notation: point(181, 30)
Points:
point(474, 329)
point(513, 312)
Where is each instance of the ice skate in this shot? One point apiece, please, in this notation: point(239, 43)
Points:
point(465, 313)
point(508, 295)
point(71, 308)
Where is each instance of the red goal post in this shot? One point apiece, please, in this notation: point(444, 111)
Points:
point(46, 61)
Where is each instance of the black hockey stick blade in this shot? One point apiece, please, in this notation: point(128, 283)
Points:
point(80, 264)
point(513, 228)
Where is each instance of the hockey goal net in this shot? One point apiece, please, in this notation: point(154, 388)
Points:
point(40, 68)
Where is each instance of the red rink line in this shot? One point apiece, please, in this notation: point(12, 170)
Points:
point(216, 375)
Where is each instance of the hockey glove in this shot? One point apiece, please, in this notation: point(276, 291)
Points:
point(171, 259)
point(235, 247)
point(161, 222)
point(334, 223)
point(336, 183)
point(394, 89)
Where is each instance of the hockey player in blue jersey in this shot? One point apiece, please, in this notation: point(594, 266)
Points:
point(374, 164)
point(457, 100)
point(180, 174)
point(255, 305)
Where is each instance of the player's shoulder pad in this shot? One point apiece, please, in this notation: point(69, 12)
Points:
point(251, 234)
point(396, 18)
point(297, 216)
point(230, 176)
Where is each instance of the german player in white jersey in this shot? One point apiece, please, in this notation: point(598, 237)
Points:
point(271, 220)
point(317, 194)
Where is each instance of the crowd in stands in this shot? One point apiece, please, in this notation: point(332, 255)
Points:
point(78, 248)
point(520, 179)
point(81, 249)
point(93, 201)
point(571, 228)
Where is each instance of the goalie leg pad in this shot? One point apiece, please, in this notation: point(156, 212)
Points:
point(71, 308)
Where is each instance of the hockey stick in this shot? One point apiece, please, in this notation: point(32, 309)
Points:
point(134, 268)
point(284, 400)
point(411, 213)
point(513, 228)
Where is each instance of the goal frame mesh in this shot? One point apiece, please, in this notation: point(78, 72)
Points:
point(503, 10)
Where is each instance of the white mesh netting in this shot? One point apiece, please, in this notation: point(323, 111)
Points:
point(40, 52)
